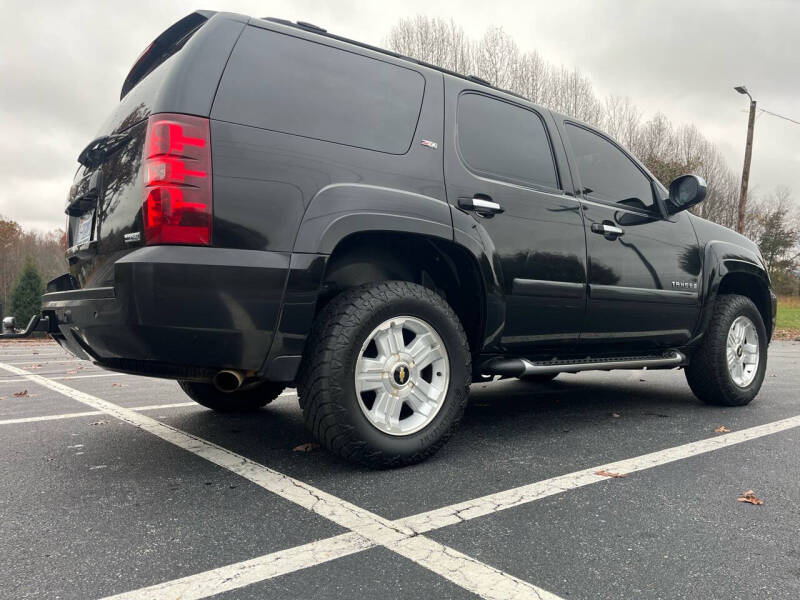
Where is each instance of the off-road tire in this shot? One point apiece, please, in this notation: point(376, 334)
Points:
point(708, 373)
point(240, 401)
point(326, 380)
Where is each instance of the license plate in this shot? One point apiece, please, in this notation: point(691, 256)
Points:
point(85, 229)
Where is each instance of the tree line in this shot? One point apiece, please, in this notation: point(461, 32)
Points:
point(666, 149)
point(27, 260)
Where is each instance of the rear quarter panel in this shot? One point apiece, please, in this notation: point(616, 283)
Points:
point(266, 181)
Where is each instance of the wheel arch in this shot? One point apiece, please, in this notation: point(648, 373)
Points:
point(377, 226)
point(441, 265)
point(732, 269)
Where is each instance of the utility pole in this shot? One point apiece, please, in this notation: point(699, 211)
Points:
point(748, 152)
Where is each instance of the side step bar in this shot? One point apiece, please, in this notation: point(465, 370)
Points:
point(519, 367)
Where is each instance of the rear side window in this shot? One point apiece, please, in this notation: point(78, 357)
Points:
point(287, 84)
point(504, 141)
point(606, 172)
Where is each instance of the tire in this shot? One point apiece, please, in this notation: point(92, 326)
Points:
point(339, 416)
point(540, 378)
point(708, 373)
point(241, 401)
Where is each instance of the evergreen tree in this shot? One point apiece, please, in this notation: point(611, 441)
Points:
point(26, 298)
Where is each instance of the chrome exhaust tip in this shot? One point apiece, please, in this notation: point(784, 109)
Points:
point(228, 381)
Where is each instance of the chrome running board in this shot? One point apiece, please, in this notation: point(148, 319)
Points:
point(520, 367)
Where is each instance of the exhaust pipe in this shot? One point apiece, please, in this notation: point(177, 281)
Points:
point(228, 381)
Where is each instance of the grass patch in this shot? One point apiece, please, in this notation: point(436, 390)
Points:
point(788, 313)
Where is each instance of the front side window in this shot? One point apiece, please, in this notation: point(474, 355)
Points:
point(504, 141)
point(606, 172)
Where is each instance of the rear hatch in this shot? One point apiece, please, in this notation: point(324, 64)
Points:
point(177, 73)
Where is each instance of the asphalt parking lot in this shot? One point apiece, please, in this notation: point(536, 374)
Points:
point(112, 484)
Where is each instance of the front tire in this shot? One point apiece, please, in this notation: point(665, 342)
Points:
point(209, 396)
point(385, 377)
point(729, 366)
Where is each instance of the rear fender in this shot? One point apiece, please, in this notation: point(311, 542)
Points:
point(340, 210)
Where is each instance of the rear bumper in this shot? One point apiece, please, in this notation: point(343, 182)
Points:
point(181, 312)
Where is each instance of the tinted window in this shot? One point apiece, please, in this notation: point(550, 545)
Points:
point(286, 84)
point(504, 141)
point(607, 171)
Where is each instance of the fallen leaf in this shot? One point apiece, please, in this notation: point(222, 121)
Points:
point(99, 423)
point(119, 385)
point(20, 394)
point(616, 415)
point(604, 473)
point(307, 447)
point(750, 497)
point(722, 429)
point(36, 366)
point(72, 372)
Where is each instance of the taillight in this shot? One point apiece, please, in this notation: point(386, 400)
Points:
point(177, 180)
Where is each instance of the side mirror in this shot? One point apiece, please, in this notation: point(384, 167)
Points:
point(685, 191)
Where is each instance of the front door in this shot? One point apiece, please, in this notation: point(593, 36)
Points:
point(502, 153)
point(644, 268)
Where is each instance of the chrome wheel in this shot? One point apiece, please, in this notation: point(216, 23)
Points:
point(402, 375)
point(742, 351)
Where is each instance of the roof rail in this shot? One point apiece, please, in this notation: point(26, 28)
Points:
point(309, 27)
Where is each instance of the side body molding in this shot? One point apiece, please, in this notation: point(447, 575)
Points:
point(340, 210)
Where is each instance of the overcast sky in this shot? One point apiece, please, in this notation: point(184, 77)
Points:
point(62, 65)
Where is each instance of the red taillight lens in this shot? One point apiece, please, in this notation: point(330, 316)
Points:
point(177, 180)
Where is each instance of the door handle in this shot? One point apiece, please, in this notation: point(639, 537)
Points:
point(481, 204)
point(607, 228)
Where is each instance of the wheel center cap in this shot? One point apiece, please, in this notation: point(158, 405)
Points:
point(400, 375)
point(739, 352)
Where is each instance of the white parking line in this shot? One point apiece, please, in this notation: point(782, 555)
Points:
point(46, 355)
point(238, 575)
point(215, 581)
point(35, 360)
point(62, 376)
point(454, 566)
point(91, 413)
point(492, 503)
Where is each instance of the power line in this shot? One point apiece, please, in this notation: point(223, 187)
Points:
point(769, 112)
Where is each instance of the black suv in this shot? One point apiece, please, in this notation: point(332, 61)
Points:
point(272, 205)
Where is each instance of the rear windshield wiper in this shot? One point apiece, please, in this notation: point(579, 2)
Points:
point(101, 148)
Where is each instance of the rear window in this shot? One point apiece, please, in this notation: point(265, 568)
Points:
point(283, 83)
point(164, 46)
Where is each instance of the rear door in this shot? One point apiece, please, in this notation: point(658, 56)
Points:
point(502, 152)
point(644, 268)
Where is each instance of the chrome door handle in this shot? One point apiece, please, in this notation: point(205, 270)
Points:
point(607, 229)
point(481, 204)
